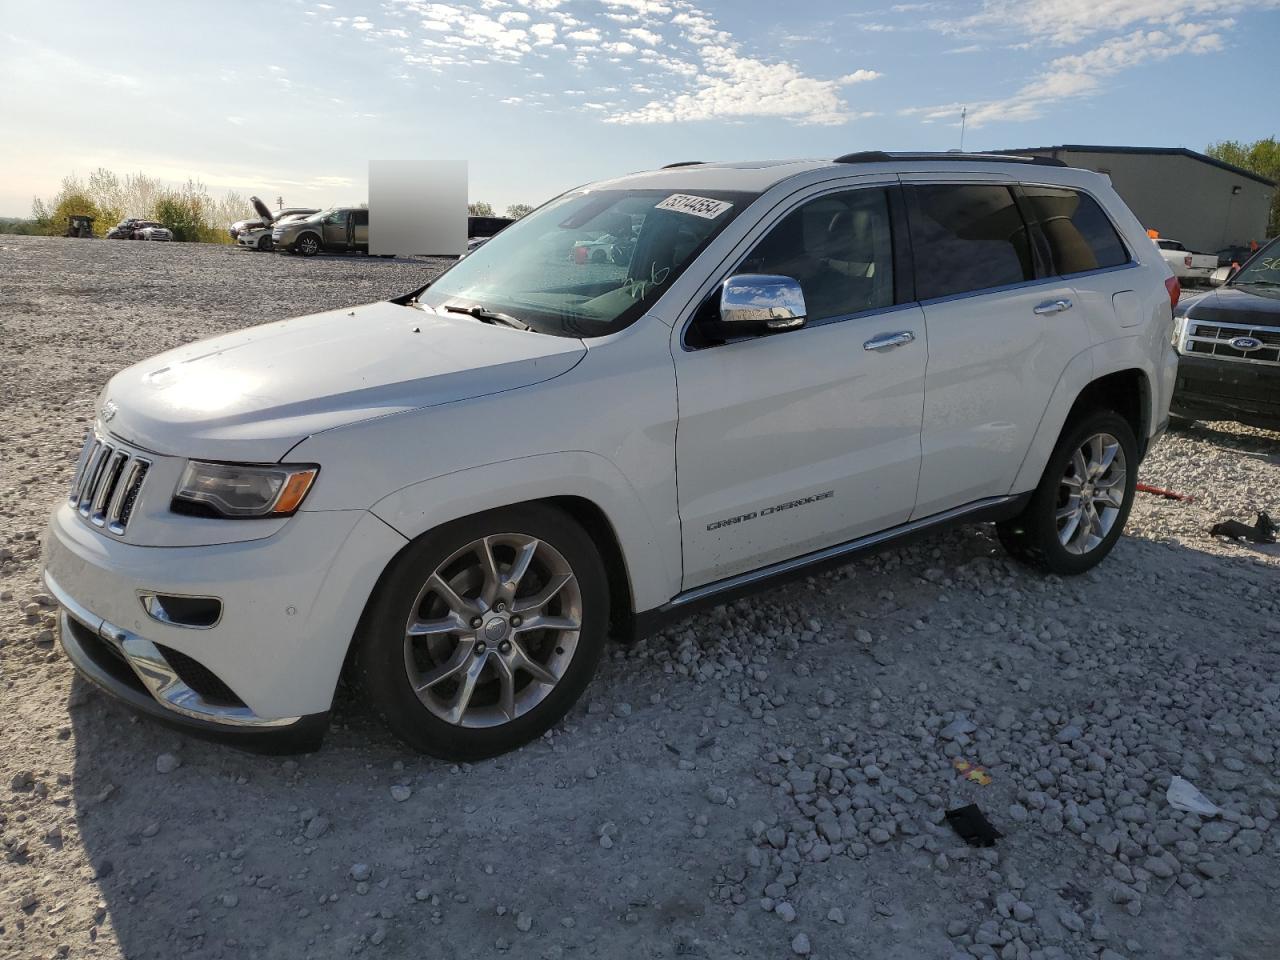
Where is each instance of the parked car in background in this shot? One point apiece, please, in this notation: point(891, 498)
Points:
point(1229, 346)
point(340, 230)
point(124, 229)
point(1190, 268)
point(259, 238)
point(1237, 255)
point(482, 228)
point(151, 230)
point(863, 349)
point(135, 228)
point(266, 217)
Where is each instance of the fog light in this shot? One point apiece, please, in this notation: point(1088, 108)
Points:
point(200, 613)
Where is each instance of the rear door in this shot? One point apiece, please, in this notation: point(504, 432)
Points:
point(335, 230)
point(1000, 332)
point(1084, 247)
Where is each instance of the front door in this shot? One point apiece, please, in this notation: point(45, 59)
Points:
point(795, 441)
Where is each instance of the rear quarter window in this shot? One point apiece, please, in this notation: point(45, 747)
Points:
point(1079, 234)
point(967, 237)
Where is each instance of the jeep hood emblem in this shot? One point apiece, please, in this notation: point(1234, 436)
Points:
point(108, 411)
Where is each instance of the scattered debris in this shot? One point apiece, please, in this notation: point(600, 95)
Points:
point(972, 826)
point(1161, 492)
point(1182, 795)
point(1263, 531)
point(972, 772)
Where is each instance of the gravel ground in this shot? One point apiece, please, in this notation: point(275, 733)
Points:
point(765, 780)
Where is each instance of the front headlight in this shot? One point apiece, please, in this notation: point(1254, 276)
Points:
point(243, 490)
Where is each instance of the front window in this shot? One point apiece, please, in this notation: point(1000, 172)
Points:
point(338, 216)
point(589, 263)
point(1263, 270)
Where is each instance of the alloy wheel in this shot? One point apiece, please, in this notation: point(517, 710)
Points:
point(1090, 493)
point(493, 630)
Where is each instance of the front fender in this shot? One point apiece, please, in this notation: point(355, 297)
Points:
point(652, 564)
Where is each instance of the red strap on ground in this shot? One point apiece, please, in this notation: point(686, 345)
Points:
point(1167, 494)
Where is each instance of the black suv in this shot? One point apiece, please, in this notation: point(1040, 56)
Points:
point(1229, 346)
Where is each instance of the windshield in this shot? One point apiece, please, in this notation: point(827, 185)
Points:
point(588, 263)
point(1263, 269)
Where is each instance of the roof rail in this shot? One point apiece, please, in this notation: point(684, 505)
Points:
point(880, 156)
point(683, 163)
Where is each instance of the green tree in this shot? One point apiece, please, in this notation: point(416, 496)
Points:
point(518, 210)
point(480, 208)
point(1261, 157)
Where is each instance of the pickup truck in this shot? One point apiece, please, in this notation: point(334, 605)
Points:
point(1190, 268)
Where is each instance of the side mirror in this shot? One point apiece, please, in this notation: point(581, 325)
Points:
point(752, 304)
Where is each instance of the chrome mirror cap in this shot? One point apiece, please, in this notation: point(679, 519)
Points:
point(759, 302)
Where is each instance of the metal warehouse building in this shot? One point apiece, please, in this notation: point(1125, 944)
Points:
point(1187, 196)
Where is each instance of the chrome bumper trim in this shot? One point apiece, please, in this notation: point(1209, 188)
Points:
point(160, 679)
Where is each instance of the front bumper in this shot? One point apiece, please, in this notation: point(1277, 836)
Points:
point(1209, 389)
point(132, 669)
point(266, 670)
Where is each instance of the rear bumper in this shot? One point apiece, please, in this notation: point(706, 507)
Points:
point(133, 670)
point(1210, 389)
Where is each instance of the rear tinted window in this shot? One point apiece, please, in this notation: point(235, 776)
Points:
point(1079, 234)
point(362, 218)
point(967, 237)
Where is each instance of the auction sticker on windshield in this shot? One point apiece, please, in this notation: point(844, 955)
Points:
point(703, 207)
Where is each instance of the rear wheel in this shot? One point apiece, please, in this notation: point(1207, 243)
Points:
point(484, 632)
point(1078, 511)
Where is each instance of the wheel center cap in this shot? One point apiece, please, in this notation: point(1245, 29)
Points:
point(1087, 490)
point(495, 629)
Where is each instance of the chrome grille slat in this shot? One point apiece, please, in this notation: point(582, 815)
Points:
point(1209, 339)
point(107, 482)
point(94, 474)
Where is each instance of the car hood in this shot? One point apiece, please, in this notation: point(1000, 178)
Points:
point(1246, 305)
point(253, 394)
point(263, 210)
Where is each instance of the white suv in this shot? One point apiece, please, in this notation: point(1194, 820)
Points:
point(459, 493)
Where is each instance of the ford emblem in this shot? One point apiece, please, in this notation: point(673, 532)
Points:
point(1246, 344)
point(108, 411)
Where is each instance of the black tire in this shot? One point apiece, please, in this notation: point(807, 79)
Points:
point(308, 245)
point(380, 669)
point(265, 244)
point(1033, 536)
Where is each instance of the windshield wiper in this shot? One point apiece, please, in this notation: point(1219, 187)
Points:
point(1256, 283)
point(489, 316)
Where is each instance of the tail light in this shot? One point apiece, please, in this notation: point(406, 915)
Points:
point(1175, 290)
point(579, 254)
point(1187, 260)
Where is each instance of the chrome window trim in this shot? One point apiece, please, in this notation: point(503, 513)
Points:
point(1056, 280)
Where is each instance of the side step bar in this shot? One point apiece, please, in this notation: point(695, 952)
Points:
point(731, 588)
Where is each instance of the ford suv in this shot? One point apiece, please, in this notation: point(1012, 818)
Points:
point(339, 230)
point(458, 494)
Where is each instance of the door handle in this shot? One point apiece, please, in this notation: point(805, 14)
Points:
point(1053, 306)
point(887, 340)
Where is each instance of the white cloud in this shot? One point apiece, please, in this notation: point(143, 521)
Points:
point(644, 35)
point(621, 46)
point(859, 76)
point(1083, 74)
point(1069, 21)
point(513, 16)
point(589, 35)
point(732, 86)
point(543, 33)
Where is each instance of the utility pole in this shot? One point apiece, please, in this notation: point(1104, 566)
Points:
point(280, 201)
point(964, 114)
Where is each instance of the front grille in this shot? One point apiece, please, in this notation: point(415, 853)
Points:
point(200, 678)
point(107, 483)
point(1214, 340)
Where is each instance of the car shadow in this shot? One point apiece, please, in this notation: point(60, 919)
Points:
point(1265, 444)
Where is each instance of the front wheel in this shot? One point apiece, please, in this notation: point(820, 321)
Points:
point(484, 632)
point(265, 244)
point(308, 245)
point(1078, 511)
